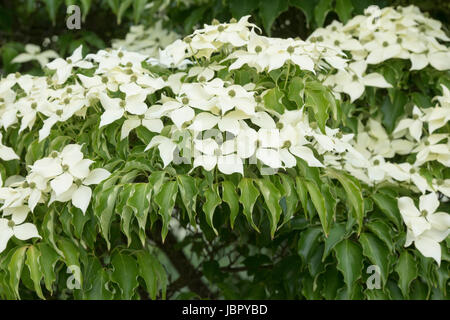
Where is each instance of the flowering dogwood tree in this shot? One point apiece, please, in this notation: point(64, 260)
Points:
point(285, 167)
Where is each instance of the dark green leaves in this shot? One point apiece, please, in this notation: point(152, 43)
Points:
point(212, 201)
point(269, 11)
point(230, 196)
point(165, 200)
point(319, 203)
point(272, 197)
point(353, 192)
point(188, 191)
point(125, 274)
point(350, 261)
point(344, 9)
point(15, 269)
point(377, 253)
point(406, 269)
point(248, 195)
point(32, 261)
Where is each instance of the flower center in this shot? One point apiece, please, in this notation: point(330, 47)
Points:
point(34, 105)
point(232, 93)
point(412, 171)
point(290, 49)
point(337, 42)
point(287, 144)
point(32, 185)
point(415, 116)
point(376, 162)
point(185, 100)
point(69, 60)
point(258, 49)
point(11, 224)
point(385, 44)
point(122, 104)
point(59, 112)
point(65, 167)
point(424, 213)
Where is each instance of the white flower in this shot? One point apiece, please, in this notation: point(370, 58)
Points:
point(9, 228)
point(79, 192)
point(224, 156)
point(414, 125)
point(33, 52)
point(64, 67)
point(426, 227)
point(7, 153)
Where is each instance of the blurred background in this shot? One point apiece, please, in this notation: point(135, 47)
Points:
point(43, 22)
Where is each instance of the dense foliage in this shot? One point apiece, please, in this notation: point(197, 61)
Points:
point(230, 164)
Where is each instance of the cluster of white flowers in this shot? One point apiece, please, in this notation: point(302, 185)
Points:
point(215, 123)
point(63, 176)
point(243, 45)
point(380, 35)
point(146, 41)
point(426, 227)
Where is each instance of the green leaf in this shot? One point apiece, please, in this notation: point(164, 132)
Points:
point(48, 260)
point(377, 253)
point(269, 11)
point(272, 197)
point(354, 194)
point(165, 200)
point(104, 209)
point(307, 242)
point(307, 6)
point(96, 281)
point(344, 9)
point(319, 204)
point(349, 261)
point(212, 201)
point(15, 268)
point(272, 100)
point(389, 207)
point(139, 202)
point(71, 255)
point(302, 192)
point(290, 196)
point(321, 11)
point(124, 5)
point(337, 234)
point(241, 8)
point(230, 196)
point(151, 270)
point(188, 191)
point(406, 269)
point(393, 109)
point(138, 8)
point(318, 101)
point(248, 196)
point(125, 274)
point(383, 232)
point(52, 7)
point(295, 92)
point(32, 261)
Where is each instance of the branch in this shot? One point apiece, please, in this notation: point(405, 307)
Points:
point(189, 276)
